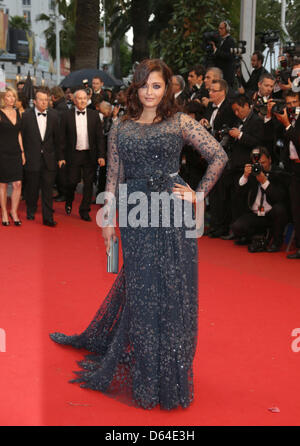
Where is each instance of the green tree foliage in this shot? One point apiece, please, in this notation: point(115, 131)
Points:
point(181, 43)
point(293, 20)
point(19, 22)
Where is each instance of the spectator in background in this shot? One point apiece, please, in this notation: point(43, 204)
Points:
point(97, 87)
point(22, 103)
point(212, 74)
point(265, 195)
point(83, 147)
point(223, 56)
point(11, 155)
point(196, 83)
point(20, 86)
point(251, 86)
point(178, 86)
point(120, 103)
point(60, 106)
point(69, 98)
point(291, 123)
point(40, 132)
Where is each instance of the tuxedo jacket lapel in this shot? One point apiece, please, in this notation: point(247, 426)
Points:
point(35, 124)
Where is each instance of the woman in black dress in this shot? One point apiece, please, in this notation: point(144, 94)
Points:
point(11, 155)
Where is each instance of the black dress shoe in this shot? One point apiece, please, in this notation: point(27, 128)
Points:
point(5, 223)
point(68, 208)
point(229, 236)
point(275, 247)
point(16, 222)
point(294, 256)
point(30, 217)
point(217, 233)
point(242, 241)
point(50, 223)
point(85, 217)
point(60, 198)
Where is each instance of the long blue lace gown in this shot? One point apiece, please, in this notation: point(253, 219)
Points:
point(143, 337)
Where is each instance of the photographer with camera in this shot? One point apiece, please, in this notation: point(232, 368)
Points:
point(283, 78)
point(251, 86)
point(223, 54)
point(264, 194)
point(291, 125)
point(219, 119)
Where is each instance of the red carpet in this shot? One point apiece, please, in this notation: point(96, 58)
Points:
point(55, 280)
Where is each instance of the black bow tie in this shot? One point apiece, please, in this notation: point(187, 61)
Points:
point(80, 112)
point(43, 114)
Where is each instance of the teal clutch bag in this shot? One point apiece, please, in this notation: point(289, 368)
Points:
point(113, 257)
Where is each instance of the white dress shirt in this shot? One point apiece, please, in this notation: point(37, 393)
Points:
point(214, 113)
point(292, 148)
point(81, 130)
point(256, 205)
point(42, 122)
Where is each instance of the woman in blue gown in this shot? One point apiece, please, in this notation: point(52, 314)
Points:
point(143, 337)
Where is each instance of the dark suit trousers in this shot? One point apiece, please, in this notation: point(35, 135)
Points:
point(81, 167)
point(295, 205)
point(250, 224)
point(61, 180)
point(220, 202)
point(40, 180)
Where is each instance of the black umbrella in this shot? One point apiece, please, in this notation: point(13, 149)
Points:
point(28, 90)
point(75, 78)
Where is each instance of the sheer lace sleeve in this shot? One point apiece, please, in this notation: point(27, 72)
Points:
point(195, 134)
point(115, 171)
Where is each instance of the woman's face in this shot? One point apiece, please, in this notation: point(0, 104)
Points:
point(9, 99)
point(152, 92)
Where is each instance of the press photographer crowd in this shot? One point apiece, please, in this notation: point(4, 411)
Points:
point(255, 202)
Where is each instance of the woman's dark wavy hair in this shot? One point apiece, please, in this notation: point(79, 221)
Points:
point(167, 107)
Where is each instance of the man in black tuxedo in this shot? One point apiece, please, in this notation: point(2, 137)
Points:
point(40, 133)
point(196, 83)
point(291, 124)
point(97, 87)
point(219, 115)
point(83, 145)
point(223, 56)
point(247, 135)
point(264, 193)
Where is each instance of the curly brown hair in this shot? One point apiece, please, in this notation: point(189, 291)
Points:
point(167, 107)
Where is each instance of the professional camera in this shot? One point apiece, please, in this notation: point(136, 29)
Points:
point(261, 106)
point(256, 166)
point(210, 36)
point(279, 106)
point(240, 48)
point(284, 73)
point(291, 48)
point(269, 37)
point(223, 137)
point(224, 131)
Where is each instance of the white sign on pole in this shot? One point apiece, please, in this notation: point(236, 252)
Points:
point(2, 80)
